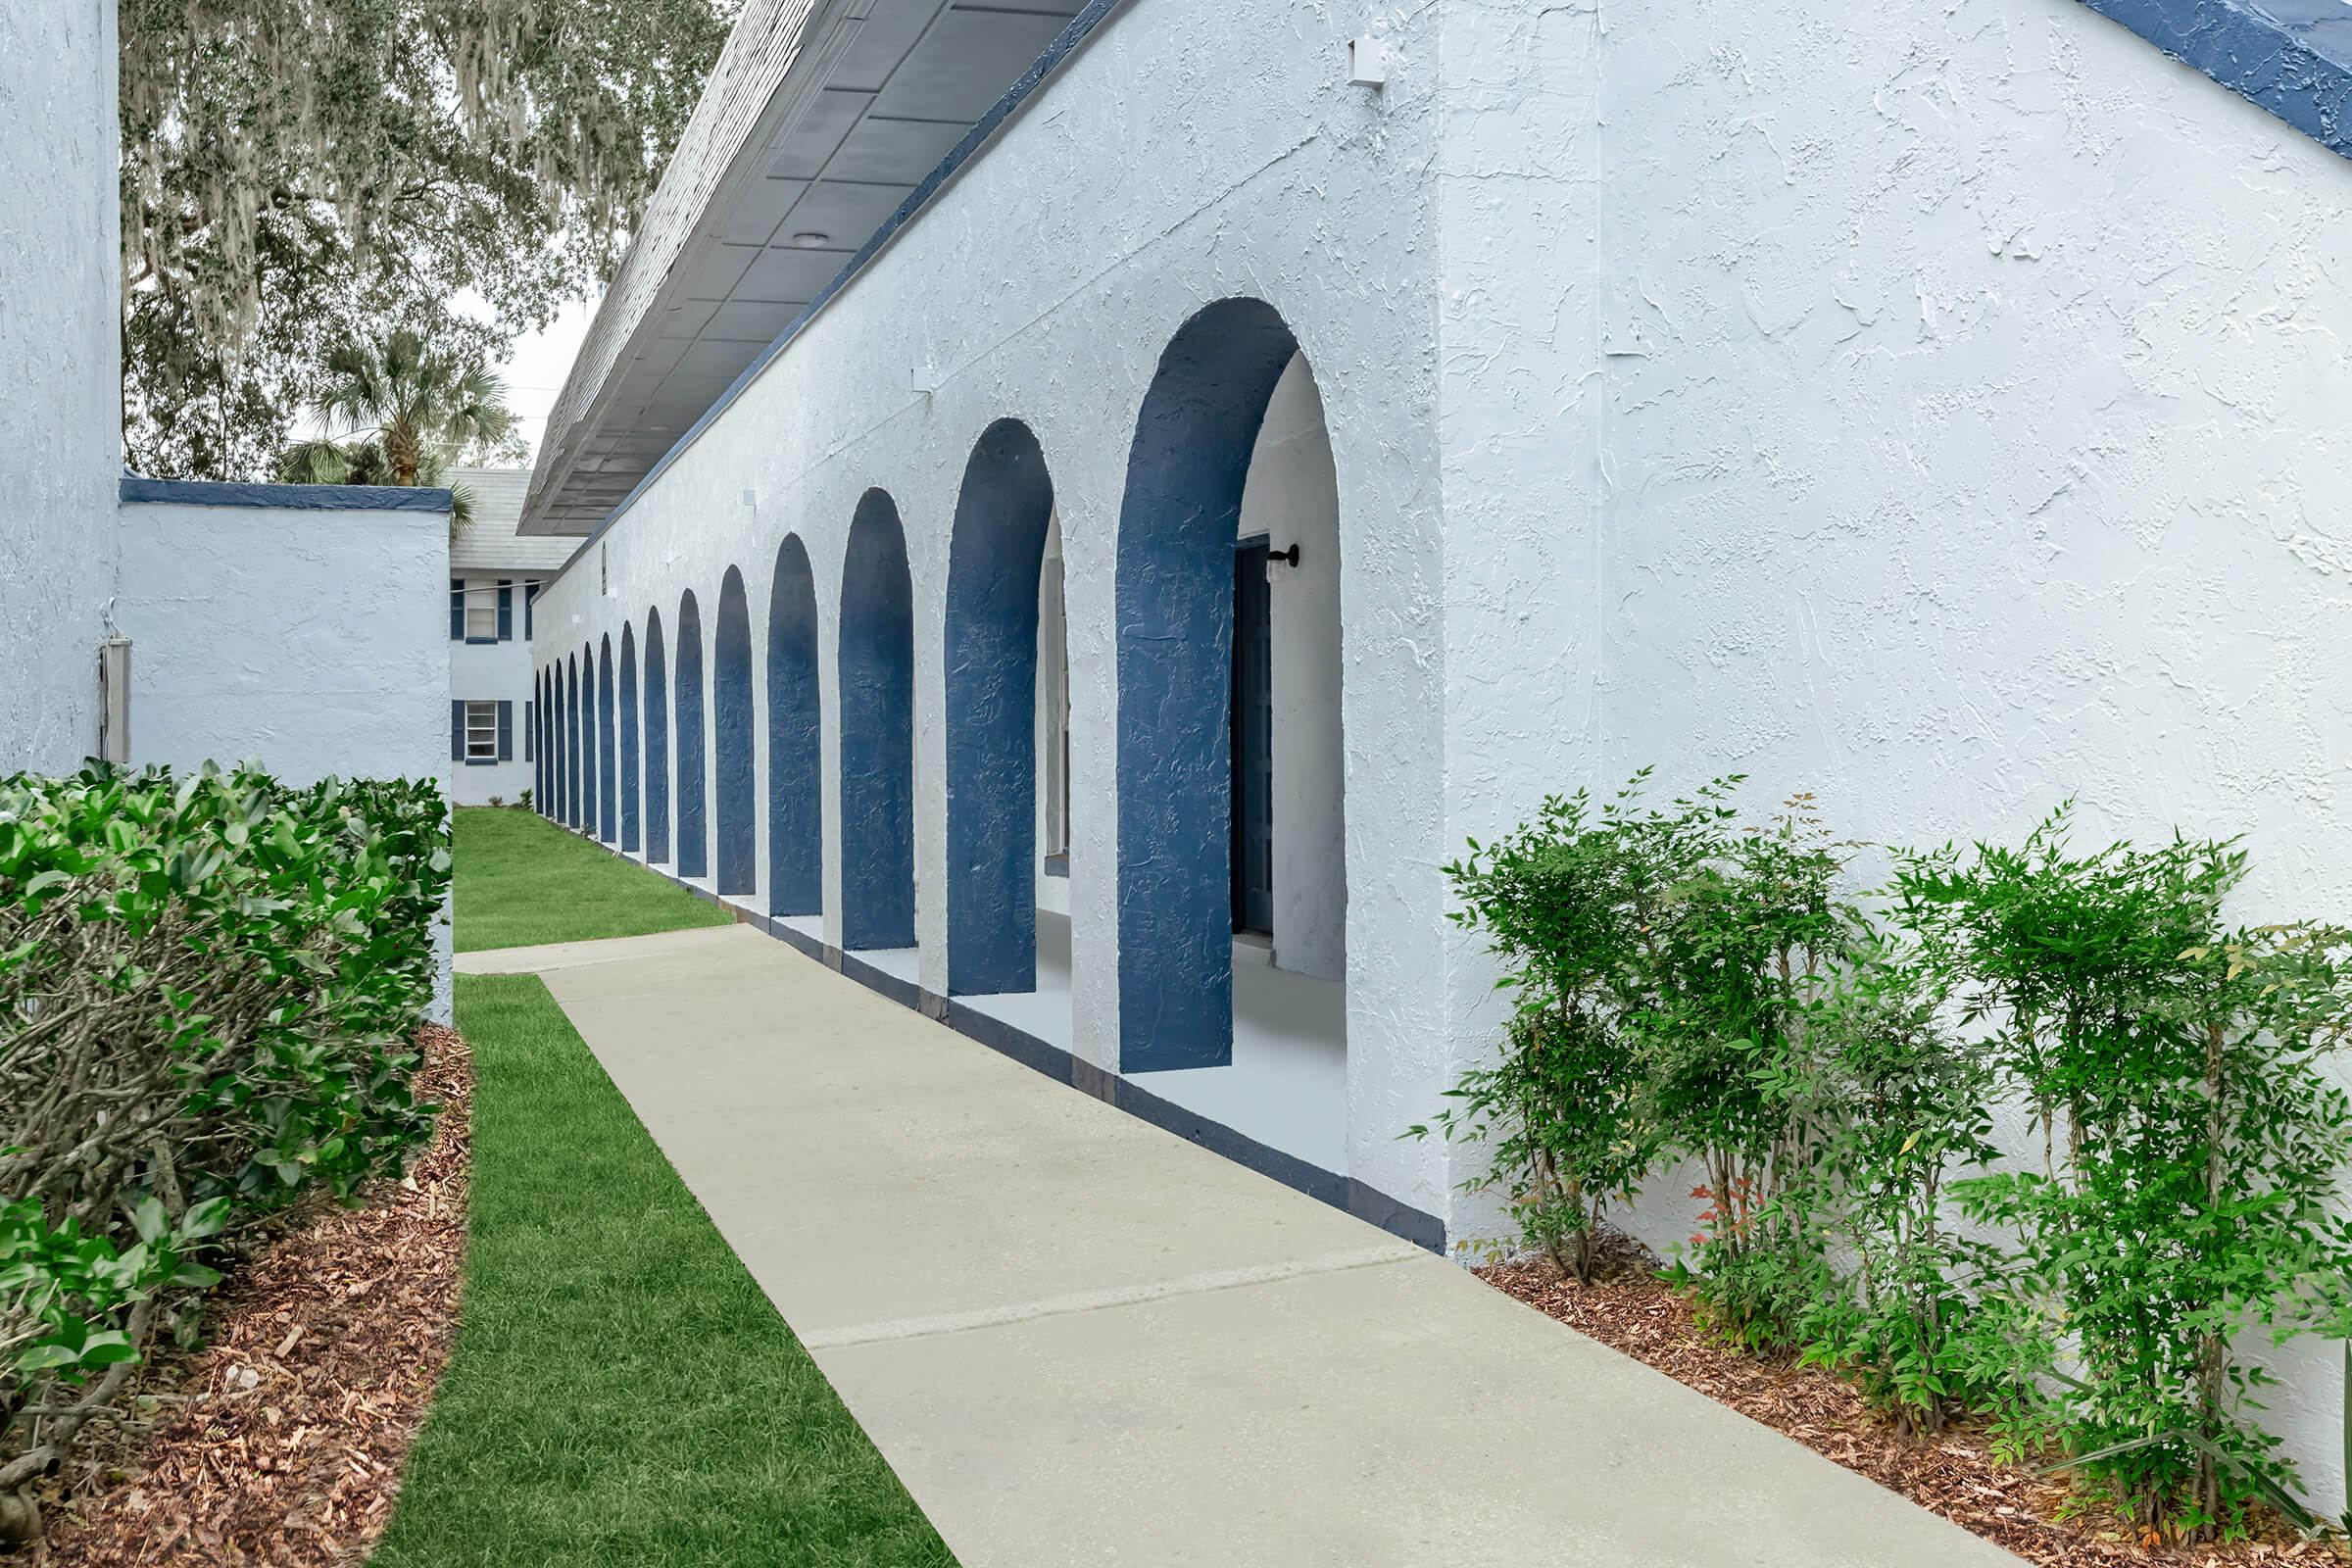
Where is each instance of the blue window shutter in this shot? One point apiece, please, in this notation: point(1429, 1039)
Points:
point(506, 732)
point(531, 598)
point(457, 731)
point(506, 610)
point(530, 724)
point(457, 609)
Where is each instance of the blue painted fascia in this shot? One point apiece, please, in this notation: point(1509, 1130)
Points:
point(2291, 57)
point(136, 491)
point(1066, 44)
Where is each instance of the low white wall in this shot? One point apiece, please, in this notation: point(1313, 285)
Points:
point(311, 640)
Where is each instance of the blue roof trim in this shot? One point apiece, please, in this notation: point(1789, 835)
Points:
point(284, 497)
point(2291, 57)
point(1061, 49)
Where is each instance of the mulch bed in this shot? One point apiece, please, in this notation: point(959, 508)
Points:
point(279, 1440)
point(1633, 1311)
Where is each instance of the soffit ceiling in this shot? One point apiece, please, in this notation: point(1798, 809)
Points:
point(775, 194)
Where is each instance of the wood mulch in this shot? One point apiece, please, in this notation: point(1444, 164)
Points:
point(1634, 1311)
point(279, 1440)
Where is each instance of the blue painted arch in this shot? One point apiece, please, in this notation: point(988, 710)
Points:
point(734, 783)
point(876, 659)
point(631, 765)
point(1003, 514)
point(657, 744)
point(607, 758)
point(540, 763)
point(572, 741)
point(1194, 439)
point(693, 793)
point(796, 829)
point(588, 739)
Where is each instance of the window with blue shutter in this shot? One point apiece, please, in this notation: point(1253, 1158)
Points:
point(457, 609)
point(456, 732)
point(531, 728)
point(506, 732)
point(506, 610)
point(531, 597)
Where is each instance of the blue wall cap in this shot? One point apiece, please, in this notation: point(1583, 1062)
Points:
point(2291, 57)
point(284, 497)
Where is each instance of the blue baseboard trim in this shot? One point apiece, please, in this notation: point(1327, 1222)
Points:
point(1366, 1203)
point(2291, 57)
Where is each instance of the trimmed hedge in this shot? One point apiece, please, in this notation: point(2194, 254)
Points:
point(208, 990)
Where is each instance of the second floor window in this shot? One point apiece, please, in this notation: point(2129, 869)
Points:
point(481, 611)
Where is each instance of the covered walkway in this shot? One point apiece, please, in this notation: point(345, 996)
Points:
point(1084, 1342)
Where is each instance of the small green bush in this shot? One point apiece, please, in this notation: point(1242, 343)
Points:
point(1691, 989)
point(207, 987)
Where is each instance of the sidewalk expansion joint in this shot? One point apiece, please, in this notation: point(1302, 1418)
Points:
point(919, 1328)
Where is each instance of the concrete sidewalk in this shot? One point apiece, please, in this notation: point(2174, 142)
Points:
point(1084, 1343)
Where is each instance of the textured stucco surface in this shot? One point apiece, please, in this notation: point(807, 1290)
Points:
point(1248, 169)
point(1933, 407)
point(60, 432)
point(315, 642)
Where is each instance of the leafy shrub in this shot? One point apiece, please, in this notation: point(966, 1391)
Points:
point(1690, 989)
point(1560, 901)
point(2189, 1147)
point(206, 989)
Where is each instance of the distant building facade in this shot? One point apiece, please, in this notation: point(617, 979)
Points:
point(493, 579)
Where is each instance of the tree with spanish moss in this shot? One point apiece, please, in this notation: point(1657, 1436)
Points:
point(302, 173)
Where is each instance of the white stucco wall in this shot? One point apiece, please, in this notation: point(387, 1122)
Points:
point(314, 641)
point(1933, 407)
point(1244, 168)
point(59, 431)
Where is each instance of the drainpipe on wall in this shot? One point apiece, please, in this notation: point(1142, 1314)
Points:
point(114, 698)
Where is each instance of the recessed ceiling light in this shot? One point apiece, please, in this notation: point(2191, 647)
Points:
point(808, 240)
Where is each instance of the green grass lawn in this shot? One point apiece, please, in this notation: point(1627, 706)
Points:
point(522, 881)
point(621, 1393)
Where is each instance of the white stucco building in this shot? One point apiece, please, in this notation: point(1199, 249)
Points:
point(1932, 408)
point(493, 579)
point(288, 624)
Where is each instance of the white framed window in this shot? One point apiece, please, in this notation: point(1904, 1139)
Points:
point(482, 610)
point(481, 732)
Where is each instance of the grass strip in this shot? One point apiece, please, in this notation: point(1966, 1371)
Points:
point(522, 882)
point(621, 1393)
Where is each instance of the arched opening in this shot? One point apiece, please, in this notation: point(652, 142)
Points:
point(1232, 883)
point(657, 744)
point(734, 782)
point(995, 563)
point(540, 761)
point(876, 659)
point(588, 739)
point(694, 839)
point(796, 829)
point(607, 758)
point(630, 762)
point(571, 740)
point(543, 718)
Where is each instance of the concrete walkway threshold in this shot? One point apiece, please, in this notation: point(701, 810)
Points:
point(1084, 1343)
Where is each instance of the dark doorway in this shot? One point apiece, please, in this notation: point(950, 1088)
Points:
point(1252, 741)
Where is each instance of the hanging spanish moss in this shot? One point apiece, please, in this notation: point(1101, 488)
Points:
point(296, 172)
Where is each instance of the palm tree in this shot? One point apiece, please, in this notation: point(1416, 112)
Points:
point(406, 415)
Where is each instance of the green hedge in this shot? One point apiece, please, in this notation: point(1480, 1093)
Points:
point(209, 986)
point(1835, 1062)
